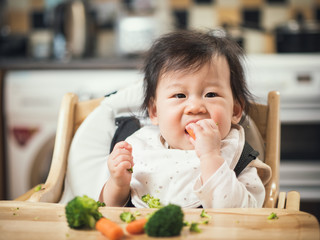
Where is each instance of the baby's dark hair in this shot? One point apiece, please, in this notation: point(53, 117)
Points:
point(189, 51)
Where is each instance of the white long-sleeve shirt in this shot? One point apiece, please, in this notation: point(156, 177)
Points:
point(173, 175)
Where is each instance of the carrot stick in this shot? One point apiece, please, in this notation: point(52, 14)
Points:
point(110, 229)
point(191, 133)
point(137, 226)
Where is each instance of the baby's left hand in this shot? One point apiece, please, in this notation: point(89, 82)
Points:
point(207, 138)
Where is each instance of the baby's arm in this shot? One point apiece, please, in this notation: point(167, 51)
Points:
point(225, 190)
point(117, 188)
point(219, 187)
point(207, 144)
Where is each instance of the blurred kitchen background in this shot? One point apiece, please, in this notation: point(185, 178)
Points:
point(94, 47)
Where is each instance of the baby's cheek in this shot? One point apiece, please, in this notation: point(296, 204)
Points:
point(224, 130)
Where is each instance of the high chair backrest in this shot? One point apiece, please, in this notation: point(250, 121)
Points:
point(73, 113)
point(267, 119)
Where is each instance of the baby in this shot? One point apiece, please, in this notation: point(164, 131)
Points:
point(193, 81)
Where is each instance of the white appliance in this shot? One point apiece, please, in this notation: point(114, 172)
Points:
point(297, 78)
point(32, 100)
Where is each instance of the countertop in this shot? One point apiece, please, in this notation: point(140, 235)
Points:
point(87, 63)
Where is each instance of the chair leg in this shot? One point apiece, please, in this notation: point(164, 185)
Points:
point(281, 200)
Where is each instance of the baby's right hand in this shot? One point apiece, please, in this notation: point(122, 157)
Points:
point(119, 161)
point(205, 137)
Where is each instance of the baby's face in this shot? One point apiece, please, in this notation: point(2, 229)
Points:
point(182, 98)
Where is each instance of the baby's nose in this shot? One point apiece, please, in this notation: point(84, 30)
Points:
point(195, 106)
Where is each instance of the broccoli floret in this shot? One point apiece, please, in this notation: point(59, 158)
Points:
point(194, 227)
point(146, 198)
point(204, 222)
point(165, 222)
point(151, 201)
point(137, 213)
point(82, 212)
point(127, 217)
point(273, 216)
point(204, 214)
point(37, 188)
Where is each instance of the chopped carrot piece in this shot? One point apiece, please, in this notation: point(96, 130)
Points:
point(191, 133)
point(137, 226)
point(110, 229)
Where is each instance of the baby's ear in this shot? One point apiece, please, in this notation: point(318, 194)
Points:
point(152, 111)
point(237, 112)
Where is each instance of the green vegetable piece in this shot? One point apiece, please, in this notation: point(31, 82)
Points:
point(194, 227)
point(127, 217)
point(146, 198)
point(165, 222)
point(37, 188)
point(273, 216)
point(203, 214)
point(82, 212)
point(149, 215)
point(136, 213)
point(151, 201)
point(204, 222)
point(130, 170)
point(101, 204)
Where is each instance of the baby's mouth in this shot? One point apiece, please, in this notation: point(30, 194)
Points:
point(186, 132)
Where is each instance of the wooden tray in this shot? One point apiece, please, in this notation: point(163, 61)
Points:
point(26, 220)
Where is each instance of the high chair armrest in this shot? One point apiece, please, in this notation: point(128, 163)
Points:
point(282, 200)
point(290, 201)
point(29, 193)
point(52, 189)
point(293, 201)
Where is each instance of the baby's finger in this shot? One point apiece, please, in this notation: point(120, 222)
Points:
point(207, 124)
point(121, 170)
point(124, 166)
point(122, 158)
point(193, 130)
point(123, 144)
point(120, 151)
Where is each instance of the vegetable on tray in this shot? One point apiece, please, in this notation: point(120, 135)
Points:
point(194, 227)
point(165, 222)
point(136, 226)
point(273, 216)
point(127, 217)
point(109, 229)
point(82, 212)
point(204, 214)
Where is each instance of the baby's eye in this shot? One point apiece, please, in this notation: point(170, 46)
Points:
point(180, 95)
point(211, 95)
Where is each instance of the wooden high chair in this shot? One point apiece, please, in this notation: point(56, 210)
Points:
point(72, 113)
